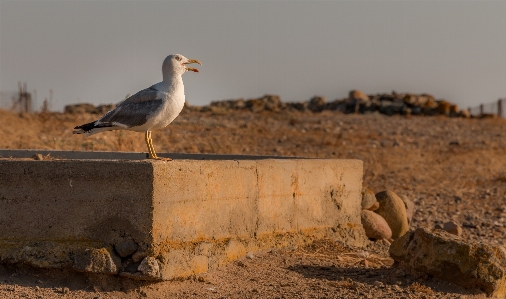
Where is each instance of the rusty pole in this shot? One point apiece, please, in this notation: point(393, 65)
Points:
point(499, 108)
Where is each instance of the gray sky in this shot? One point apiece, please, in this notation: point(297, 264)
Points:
point(99, 51)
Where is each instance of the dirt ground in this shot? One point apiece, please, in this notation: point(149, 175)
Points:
point(452, 168)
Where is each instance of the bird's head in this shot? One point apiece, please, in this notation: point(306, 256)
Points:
point(176, 64)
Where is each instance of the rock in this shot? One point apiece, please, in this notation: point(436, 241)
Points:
point(80, 108)
point(452, 228)
point(444, 107)
point(393, 210)
point(355, 100)
point(374, 206)
point(418, 100)
point(463, 262)
point(267, 103)
point(141, 253)
point(410, 207)
point(97, 261)
point(464, 113)
point(316, 104)
point(358, 96)
point(375, 226)
point(126, 248)
point(368, 198)
point(390, 108)
point(149, 267)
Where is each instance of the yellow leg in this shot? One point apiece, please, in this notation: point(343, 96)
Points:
point(151, 148)
point(151, 151)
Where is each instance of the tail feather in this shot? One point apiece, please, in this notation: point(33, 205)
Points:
point(92, 128)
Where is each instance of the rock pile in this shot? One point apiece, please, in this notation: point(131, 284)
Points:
point(88, 108)
point(385, 215)
point(356, 102)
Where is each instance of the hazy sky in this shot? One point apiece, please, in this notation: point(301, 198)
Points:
point(99, 51)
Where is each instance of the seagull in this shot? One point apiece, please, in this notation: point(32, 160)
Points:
point(150, 109)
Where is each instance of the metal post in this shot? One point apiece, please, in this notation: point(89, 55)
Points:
point(499, 108)
point(481, 109)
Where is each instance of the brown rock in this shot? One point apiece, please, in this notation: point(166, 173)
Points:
point(374, 207)
point(463, 262)
point(444, 107)
point(126, 248)
point(453, 228)
point(97, 261)
point(375, 226)
point(393, 210)
point(316, 104)
point(358, 96)
point(149, 267)
point(368, 198)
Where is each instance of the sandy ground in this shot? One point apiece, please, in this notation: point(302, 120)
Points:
point(453, 169)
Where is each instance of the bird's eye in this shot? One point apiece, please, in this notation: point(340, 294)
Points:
point(178, 58)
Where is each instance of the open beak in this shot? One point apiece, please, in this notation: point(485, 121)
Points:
point(192, 61)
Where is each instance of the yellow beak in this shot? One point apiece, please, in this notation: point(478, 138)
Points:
point(192, 61)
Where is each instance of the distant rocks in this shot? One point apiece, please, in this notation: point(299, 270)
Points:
point(356, 102)
point(463, 262)
point(88, 108)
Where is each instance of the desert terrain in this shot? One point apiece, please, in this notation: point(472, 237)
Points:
point(453, 169)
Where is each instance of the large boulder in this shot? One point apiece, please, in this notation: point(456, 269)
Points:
point(463, 262)
point(392, 208)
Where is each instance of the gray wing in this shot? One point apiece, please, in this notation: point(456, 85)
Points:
point(134, 111)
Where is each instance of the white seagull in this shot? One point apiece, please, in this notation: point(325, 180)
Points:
point(152, 108)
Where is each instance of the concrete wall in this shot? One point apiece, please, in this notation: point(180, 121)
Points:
point(181, 217)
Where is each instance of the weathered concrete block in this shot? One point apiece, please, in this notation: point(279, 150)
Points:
point(188, 215)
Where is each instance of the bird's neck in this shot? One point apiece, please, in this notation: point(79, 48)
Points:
point(171, 81)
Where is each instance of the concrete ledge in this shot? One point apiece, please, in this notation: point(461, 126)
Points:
point(161, 220)
point(28, 153)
